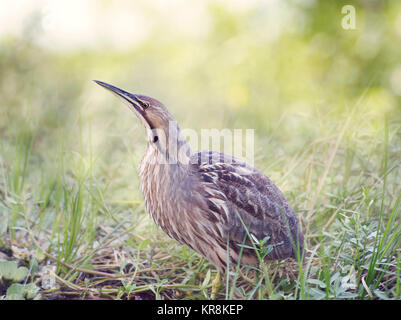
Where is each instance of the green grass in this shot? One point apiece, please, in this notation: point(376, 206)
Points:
point(325, 107)
point(69, 213)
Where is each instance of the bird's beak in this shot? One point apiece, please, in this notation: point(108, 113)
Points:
point(132, 99)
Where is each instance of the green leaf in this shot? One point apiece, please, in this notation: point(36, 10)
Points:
point(317, 294)
point(9, 270)
point(33, 266)
point(144, 244)
point(206, 280)
point(381, 294)
point(15, 292)
point(318, 282)
point(20, 292)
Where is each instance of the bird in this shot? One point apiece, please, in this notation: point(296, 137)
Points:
point(216, 204)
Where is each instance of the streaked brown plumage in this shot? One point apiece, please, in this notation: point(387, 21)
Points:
point(206, 200)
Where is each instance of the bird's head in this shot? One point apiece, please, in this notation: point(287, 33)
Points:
point(161, 128)
point(153, 114)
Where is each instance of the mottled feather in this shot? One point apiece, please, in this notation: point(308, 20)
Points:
point(253, 202)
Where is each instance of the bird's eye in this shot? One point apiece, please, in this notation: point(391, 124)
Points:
point(155, 139)
point(146, 105)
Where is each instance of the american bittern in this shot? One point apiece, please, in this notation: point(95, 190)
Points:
point(215, 204)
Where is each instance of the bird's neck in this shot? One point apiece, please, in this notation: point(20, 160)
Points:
point(169, 157)
point(162, 174)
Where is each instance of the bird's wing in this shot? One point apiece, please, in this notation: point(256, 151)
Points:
point(255, 207)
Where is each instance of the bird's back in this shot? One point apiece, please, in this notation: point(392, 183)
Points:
point(253, 206)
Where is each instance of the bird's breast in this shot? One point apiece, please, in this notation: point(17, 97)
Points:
point(160, 189)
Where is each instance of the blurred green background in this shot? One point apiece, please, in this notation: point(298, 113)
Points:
point(284, 68)
point(324, 103)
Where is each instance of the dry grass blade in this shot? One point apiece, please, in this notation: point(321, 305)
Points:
point(366, 287)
